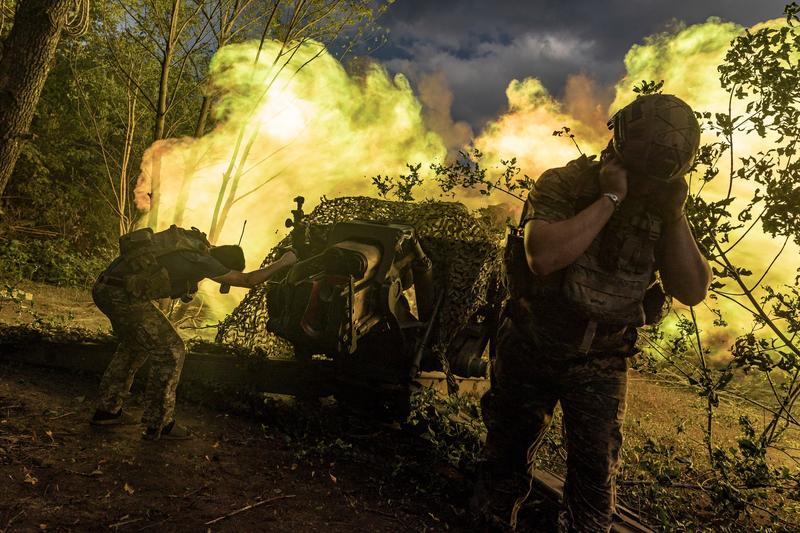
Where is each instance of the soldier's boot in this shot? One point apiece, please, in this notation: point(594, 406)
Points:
point(172, 431)
point(106, 418)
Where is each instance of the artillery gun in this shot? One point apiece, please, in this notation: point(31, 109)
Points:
point(384, 290)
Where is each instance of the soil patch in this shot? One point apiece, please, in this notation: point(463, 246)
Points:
point(287, 470)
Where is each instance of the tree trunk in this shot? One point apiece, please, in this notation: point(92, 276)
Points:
point(225, 25)
point(155, 192)
point(183, 194)
point(125, 221)
point(161, 110)
point(205, 109)
point(27, 56)
point(166, 64)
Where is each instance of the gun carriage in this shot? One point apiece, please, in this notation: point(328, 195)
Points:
point(384, 290)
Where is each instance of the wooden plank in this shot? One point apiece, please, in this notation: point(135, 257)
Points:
point(552, 485)
point(438, 382)
point(216, 366)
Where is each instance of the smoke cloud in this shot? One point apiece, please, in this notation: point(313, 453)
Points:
point(436, 98)
point(297, 123)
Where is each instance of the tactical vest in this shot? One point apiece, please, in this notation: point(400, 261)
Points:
point(140, 251)
point(608, 282)
point(612, 283)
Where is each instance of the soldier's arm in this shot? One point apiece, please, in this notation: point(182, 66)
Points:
point(551, 246)
point(684, 271)
point(256, 277)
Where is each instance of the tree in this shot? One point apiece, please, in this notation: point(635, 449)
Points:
point(229, 21)
point(167, 35)
point(761, 74)
point(27, 57)
point(116, 156)
point(6, 18)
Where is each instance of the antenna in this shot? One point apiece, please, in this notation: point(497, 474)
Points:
point(242, 235)
point(224, 288)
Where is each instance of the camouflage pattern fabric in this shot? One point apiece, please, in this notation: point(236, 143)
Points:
point(143, 332)
point(526, 385)
point(540, 307)
point(538, 363)
point(464, 249)
point(656, 136)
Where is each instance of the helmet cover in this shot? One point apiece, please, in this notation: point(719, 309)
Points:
point(656, 136)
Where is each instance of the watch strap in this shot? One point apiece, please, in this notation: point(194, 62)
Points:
point(614, 199)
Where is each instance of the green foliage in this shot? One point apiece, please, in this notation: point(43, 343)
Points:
point(402, 185)
point(465, 172)
point(567, 132)
point(322, 448)
point(762, 75)
point(452, 425)
point(55, 331)
point(762, 68)
point(760, 71)
point(62, 185)
point(51, 261)
point(649, 87)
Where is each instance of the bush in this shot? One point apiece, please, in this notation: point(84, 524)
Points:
point(452, 425)
point(50, 261)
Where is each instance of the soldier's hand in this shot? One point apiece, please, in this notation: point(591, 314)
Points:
point(670, 198)
point(613, 176)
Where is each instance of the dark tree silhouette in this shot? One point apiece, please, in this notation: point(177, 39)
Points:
point(27, 56)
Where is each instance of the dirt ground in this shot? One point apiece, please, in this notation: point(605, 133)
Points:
point(58, 473)
point(56, 304)
point(288, 468)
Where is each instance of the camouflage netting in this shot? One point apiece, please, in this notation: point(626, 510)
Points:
point(463, 247)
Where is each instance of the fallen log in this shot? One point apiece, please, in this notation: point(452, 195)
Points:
point(207, 366)
point(552, 486)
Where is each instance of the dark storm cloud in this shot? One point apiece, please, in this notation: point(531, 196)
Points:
point(480, 45)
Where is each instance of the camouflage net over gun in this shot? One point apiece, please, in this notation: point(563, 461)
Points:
point(464, 249)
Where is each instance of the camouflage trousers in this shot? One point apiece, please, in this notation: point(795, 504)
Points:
point(143, 332)
point(526, 385)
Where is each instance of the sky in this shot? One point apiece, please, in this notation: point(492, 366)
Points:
point(476, 47)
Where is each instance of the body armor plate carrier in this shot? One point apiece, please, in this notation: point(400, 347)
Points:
point(613, 283)
point(140, 250)
point(608, 282)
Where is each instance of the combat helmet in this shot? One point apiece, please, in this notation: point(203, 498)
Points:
point(656, 136)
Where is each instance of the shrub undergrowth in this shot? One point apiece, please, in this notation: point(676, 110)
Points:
point(50, 261)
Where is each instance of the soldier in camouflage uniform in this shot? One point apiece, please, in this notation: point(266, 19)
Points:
point(600, 239)
point(124, 293)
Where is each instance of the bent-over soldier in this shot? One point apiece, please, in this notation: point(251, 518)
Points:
point(167, 264)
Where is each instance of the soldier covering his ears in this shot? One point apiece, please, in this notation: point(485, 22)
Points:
point(167, 264)
point(601, 240)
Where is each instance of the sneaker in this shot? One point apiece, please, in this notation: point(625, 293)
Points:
point(106, 418)
point(172, 431)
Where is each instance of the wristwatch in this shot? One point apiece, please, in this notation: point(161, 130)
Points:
point(614, 199)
